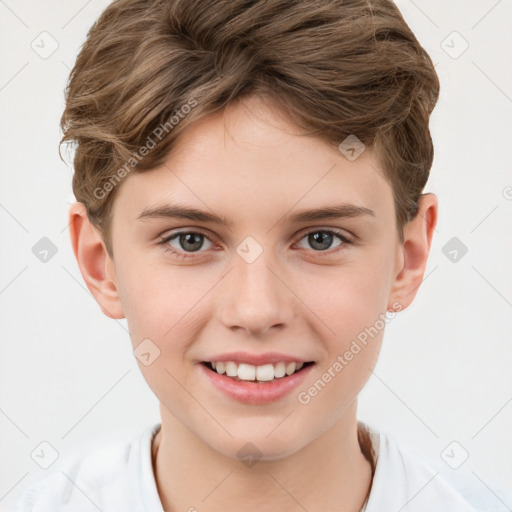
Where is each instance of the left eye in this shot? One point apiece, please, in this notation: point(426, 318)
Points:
point(321, 238)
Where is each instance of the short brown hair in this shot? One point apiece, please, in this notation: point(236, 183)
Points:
point(335, 67)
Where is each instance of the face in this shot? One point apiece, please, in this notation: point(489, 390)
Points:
point(266, 281)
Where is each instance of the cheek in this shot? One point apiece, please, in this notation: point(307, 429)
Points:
point(162, 321)
point(154, 298)
point(353, 308)
point(348, 298)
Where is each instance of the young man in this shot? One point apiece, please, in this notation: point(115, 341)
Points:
point(249, 180)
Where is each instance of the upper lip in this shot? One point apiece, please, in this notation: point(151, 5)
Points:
point(257, 359)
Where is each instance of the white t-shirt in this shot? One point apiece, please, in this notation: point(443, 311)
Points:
point(119, 478)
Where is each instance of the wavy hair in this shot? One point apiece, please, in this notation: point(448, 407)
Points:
point(334, 67)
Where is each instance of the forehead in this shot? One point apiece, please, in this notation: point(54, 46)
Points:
point(248, 161)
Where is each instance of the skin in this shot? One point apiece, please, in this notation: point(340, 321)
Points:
point(250, 165)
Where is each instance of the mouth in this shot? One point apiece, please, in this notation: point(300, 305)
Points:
point(263, 374)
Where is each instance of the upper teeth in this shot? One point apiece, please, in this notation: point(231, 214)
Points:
point(264, 372)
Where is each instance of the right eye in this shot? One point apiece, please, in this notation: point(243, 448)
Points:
point(190, 242)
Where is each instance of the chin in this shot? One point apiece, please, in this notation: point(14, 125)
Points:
point(258, 447)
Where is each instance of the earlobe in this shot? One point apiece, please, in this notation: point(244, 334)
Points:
point(94, 262)
point(415, 249)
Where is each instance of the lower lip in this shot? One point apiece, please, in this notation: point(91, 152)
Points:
point(254, 392)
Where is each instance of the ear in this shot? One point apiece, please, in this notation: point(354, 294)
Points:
point(413, 253)
point(95, 264)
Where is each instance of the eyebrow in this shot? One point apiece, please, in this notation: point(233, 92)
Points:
point(184, 212)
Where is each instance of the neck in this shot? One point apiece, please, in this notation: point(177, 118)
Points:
point(331, 473)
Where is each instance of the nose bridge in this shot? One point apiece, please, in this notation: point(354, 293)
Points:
point(255, 298)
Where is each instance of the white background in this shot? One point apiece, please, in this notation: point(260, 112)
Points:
point(67, 372)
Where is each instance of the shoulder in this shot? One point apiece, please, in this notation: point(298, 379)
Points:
point(404, 481)
point(100, 480)
point(81, 483)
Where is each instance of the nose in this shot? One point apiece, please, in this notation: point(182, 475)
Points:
point(255, 297)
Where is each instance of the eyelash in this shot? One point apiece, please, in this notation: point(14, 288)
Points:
point(168, 249)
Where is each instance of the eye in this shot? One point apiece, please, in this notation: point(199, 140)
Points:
point(322, 239)
point(187, 242)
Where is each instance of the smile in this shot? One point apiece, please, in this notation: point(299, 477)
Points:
point(255, 385)
point(252, 373)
